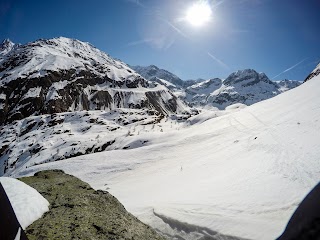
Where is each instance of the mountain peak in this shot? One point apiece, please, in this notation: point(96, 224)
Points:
point(247, 77)
point(66, 74)
point(154, 67)
point(152, 71)
point(6, 44)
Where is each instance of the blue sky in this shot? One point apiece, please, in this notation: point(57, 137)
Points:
point(278, 37)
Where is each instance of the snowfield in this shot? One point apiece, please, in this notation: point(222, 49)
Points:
point(241, 174)
point(27, 203)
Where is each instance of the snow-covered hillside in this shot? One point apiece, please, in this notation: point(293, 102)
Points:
point(47, 138)
point(242, 173)
point(62, 74)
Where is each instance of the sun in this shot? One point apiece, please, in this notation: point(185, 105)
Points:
point(199, 13)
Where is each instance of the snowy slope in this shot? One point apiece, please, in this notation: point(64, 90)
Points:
point(27, 203)
point(46, 138)
point(241, 174)
point(62, 74)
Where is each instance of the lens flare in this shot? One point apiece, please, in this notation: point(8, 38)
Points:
point(199, 13)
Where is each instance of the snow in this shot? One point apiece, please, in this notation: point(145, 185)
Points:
point(5, 47)
point(242, 173)
point(64, 54)
point(18, 234)
point(67, 62)
point(32, 93)
point(27, 203)
point(167, 83)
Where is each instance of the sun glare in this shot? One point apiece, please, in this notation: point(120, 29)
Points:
point(199, 13)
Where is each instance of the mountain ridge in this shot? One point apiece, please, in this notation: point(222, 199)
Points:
point(243, 86)
point(62, 74)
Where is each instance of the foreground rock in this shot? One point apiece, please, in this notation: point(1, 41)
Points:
point(79, 212)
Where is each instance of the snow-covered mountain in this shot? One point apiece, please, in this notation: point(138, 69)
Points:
point(61, 75)
point(242, 173)
point(5, 47)
point(285, 85)
point(244, 86)
point(197, 94)
point(153, 72)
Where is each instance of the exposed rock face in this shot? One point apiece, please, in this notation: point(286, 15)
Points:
point(61, 74)
point(314, 73)
point(79, 212)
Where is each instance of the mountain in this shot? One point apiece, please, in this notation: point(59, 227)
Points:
point(241, 174)
point(164, 77)
point(152, 71)
point(62, 74)
point(244, 86)
point(197, 94)
point(285, 85)
point(5, 47)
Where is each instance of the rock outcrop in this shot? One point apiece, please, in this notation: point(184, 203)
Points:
point(79, 212)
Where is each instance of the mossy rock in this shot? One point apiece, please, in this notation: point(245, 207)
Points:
point(79, 212)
